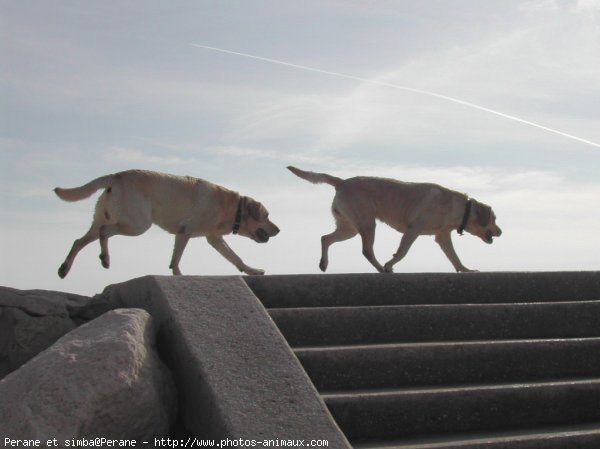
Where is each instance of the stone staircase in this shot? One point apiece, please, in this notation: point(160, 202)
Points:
point(481, 360)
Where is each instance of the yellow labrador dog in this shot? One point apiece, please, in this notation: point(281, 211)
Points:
point(184, 206)
point(413, 209)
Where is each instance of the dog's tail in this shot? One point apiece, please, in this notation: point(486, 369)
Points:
point(86, 190)
point(316, 178)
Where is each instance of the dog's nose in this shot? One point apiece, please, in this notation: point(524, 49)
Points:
point(275, 230)
point(499, 232)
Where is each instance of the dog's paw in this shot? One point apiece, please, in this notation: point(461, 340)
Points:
point(63, 270)
point(105, 260)
point(254, 271)
point(323, 265)
point(388, 268)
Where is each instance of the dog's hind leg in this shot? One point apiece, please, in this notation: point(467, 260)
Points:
point(367, 234)
point(106, 231)
point(181, 240)
point(344, 231)
point(122, 228)
point(78, 245)
point(407, 240)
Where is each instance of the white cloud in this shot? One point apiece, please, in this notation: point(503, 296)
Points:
point(588, 5)
point(527, 70)
point(131, 155)
point(537, 6)
point(285, 157)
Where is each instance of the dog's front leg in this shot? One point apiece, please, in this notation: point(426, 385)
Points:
point(223, 248)
point(445, 241)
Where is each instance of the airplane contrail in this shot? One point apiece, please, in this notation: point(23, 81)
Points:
point(395, 86)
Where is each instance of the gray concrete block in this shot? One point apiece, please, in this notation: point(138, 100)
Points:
point(450, 363)
point(569, 437)
point(406, 413)
point(375, 289)
point(423, 323)
point(237, 376)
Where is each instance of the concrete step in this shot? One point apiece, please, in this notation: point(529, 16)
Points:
point(449, 363)
point(403, 413)
point(468, 361)
point(430, 323)
point(337, 290)
point(566, 437)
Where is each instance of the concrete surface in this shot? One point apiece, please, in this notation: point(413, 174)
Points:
point(420, 361)
point(375, 289)
point(236, 375)
point(565, 437)
point(449, 361)
point(402, 413)
point(423, 323)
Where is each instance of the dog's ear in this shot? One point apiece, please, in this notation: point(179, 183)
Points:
point(253, 209)
point(483, 214)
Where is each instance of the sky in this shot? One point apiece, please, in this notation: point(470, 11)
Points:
point(91, 88)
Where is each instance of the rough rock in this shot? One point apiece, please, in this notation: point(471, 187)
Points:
point(103, 379)
point(31, 321)
point(109, 299)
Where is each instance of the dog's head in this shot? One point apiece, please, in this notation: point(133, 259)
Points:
point(482, 223)
point(255, 223)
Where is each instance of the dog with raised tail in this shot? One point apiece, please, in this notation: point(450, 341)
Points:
point(187, 207)
point(413, 209)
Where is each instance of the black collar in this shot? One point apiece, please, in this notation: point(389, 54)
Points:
point(466, 216)
point(238, 217)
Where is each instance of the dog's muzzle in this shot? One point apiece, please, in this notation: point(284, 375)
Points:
point(262, 236)
point(489, 235)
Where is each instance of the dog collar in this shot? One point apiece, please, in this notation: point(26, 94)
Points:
point(466, 216)
point(238, 216)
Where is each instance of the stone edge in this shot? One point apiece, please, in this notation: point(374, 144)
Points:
point(237, 376)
